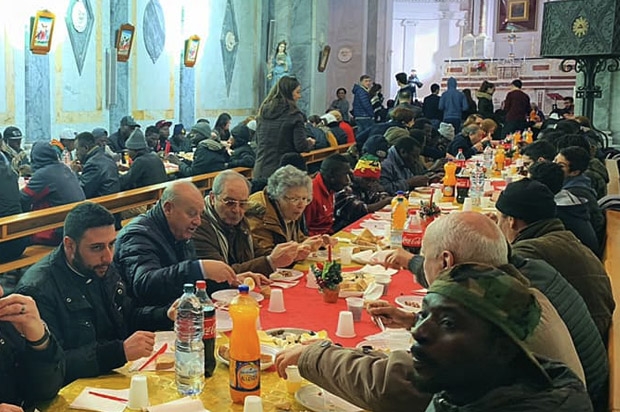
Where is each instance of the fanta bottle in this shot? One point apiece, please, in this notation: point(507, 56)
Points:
point(529, 136)
point(400, 205)
point(449, 182)
point(244, 347)
point(500, 160)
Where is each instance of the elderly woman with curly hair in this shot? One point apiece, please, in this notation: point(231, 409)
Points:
point(276, 214)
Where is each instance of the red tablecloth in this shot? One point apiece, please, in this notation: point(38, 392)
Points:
point(305, 307)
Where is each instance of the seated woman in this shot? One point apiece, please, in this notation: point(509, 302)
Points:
point(276, 214)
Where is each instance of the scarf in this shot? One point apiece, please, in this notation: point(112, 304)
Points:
point(220, 227)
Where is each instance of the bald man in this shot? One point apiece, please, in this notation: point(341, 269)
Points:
point(155, 252)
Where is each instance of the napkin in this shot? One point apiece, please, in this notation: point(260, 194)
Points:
point(89, 402)
point(186, 404)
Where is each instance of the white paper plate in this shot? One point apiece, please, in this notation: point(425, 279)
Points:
point(378, 270)
point(408, 302)
point(370, 256)
point(286, 274)
point(318, 400)
point(264, 349)
point(226, 295)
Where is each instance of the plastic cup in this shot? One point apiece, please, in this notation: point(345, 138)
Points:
point(383, 280)
point(276, 302)
point(253, 404)
point(467, 205)
point(311, 281)
point(345, 255)
point(293, 379)
point(345, 327)
point(355, 306)
point(138, 393)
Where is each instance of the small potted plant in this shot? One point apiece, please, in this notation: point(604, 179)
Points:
point(328, 277)
point(428, 212)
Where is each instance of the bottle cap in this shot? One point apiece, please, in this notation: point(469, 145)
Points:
point(201, 284)
point(188, 288)
point(400, 193)
point(244, 289)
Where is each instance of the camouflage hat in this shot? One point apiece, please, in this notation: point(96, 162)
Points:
point(496, 297)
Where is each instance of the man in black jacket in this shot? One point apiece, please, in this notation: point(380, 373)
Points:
point(10, 204)
point(146, 169)
point(85, 303)
point(99, 172)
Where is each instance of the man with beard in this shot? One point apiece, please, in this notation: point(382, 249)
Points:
point(117, 139)
point(84, 302)
point(99, 173)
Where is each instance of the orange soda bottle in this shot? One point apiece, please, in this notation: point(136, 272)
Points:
point(529, 136)
point(400, 205)
point(244, 365)
point(500, 160)
point(449, 181)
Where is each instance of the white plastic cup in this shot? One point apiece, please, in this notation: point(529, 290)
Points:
point(383, 280)
point(276, 301)
point(356, 307)
point(345, 327)
point(138, 393)
point(293, 379)
point(467, 205)
point(346, 254)
point(311, 281)
point(253, 404)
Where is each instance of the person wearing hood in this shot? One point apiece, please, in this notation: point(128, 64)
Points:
point(485, 99)
point(280, 127)
point(52, 184)
point(571, 210)
point(362, 107)
point(453, 103)
point(146, 167)
point(211, 154)
point(179, 141)
point(243, 155)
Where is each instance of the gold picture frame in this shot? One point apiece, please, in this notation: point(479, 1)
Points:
point(124, 42)
point(192, 45)
point(324, 58)
point(518, 10)
point(41, 32)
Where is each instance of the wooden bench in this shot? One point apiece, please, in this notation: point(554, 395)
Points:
point(26, 224)
point(612, 265)
point(613, 187)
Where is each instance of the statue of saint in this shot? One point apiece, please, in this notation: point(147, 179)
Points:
point(280, 64)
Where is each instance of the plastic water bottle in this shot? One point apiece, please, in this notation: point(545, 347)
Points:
point(189, 353)
point(488, 158)
point(476, 190)
point(209, 329)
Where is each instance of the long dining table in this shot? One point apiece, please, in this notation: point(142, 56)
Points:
point(305, 309)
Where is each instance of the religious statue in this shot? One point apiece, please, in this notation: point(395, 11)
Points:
point(280, 64)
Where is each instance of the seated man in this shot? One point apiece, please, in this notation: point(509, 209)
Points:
point(146, 168)
point(10, 205)
point(470, 140)
point(155, 253)
point(332, 177)
point(539, 151)
point(99, 173)
point(469, 353)
point(84, 302)
point(32, 364)
point(224, 233)
point(11, 148)
point(527, 217)
point(401, 169)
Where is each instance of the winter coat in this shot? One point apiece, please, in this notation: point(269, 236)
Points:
point(177, 146)
point(116, 142)
point(233, 245)
point(574, 214)
point(452, 102)
point(99, 174)
point(342, 106)
point(320, 140)
point(461, 142)
point(341, 136)
point(394, 173)
point(90, 316)
point(52, 184)
point(485, 105)
point(10, 204)
point(210, 156)
point(517, 106)
point(597, 172)
point(431, 107)
point(28, 375)
point(581, 187)
point(279, 130)
point(548, 240)
point(361, 102)
point(146, 169)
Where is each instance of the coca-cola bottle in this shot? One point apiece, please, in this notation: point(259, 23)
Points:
point(413, 233)
point(208, 338)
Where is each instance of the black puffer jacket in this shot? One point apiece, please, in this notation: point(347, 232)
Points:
point(573, 212)
point(99, 174)
point(210, 156)
point(152, 263)
point(279, 130)
point(28, 375)
point(90, 316)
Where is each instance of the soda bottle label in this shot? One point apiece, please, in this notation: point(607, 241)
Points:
point(245, 375)
point(209, 328)
point(448, 191)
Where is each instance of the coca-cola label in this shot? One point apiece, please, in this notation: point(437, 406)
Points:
point(412, 239)
point(209, 328)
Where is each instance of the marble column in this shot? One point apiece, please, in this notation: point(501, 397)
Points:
point(37, 96)
point(187, 96)
point(119, 14)
point(371, 38)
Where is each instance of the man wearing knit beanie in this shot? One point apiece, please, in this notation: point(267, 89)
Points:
point(528, 220)
point(365, 195)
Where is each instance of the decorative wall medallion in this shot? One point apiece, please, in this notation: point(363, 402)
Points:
point(345, 54)
point(80, 21)
point(154, 29)
point(229, 42)
point(580, 26)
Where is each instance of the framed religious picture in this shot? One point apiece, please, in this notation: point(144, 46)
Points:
point(324, 58)
point(191, 51)
point(41, 31)
point(516, 15)
point(124, 41)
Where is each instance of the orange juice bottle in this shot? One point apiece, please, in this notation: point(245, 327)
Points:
point(529, 136)
point(400, 204)
point(244, 368)
point(449, 181)
point(500, 160)
point(517, 137)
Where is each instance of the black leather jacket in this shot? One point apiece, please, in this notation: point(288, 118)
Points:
point(99, 174)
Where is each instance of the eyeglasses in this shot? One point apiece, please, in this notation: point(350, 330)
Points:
point(243, 204)
point(297, 200)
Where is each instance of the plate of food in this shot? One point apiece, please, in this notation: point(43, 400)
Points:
point(227, 295)
point(286, 275)
point(283, 337)
point(317, 399)
point(267, 355)
point(354, 284)
point(321, 256)
point(411, 303)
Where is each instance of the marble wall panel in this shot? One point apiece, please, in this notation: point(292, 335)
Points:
point(37, 97)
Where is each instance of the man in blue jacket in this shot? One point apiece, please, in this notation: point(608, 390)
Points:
point(362, 108)
point(453, 103)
